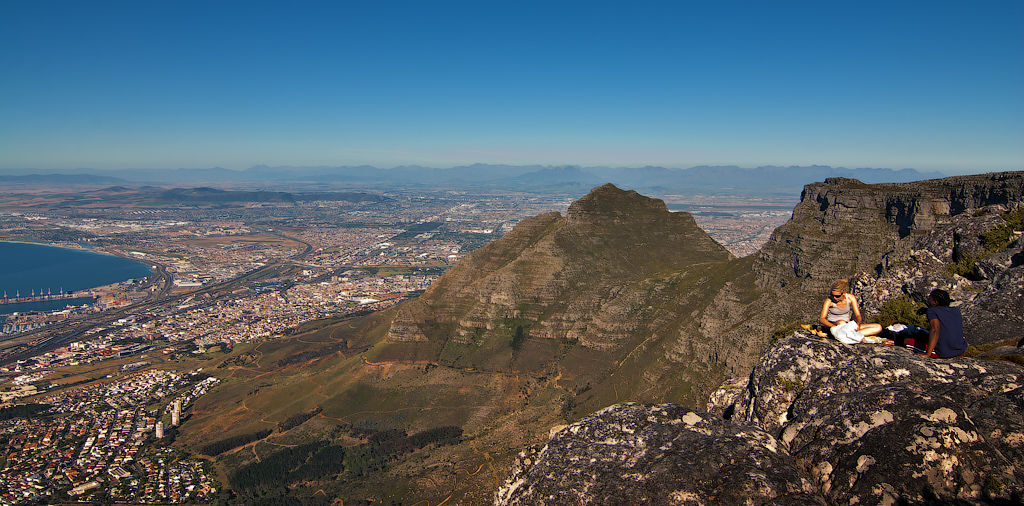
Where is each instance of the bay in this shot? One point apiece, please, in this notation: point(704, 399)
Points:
point(26, 267)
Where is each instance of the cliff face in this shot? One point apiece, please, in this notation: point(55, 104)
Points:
point(842, 227)
point(874, 235)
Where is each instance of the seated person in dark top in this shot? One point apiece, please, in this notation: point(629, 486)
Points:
point(946, 336)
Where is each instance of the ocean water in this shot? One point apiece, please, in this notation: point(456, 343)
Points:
point(33, 267)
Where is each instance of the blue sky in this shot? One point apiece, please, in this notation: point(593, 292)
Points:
point(931, 85)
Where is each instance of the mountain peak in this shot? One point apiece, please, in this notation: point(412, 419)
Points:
point(609, 201)
point(598, 266)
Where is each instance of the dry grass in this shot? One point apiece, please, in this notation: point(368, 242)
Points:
point(247, 240)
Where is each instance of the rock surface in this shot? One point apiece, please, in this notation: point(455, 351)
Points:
point(991, 296)
point(818, 422)
point(875, 424)
point(658, 455)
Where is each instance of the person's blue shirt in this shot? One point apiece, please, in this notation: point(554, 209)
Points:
point(951, 331)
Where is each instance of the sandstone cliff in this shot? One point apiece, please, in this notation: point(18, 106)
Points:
point(842, 226)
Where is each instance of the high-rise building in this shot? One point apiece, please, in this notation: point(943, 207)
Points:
point(176, 413)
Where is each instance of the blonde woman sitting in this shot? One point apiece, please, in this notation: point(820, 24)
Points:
point(842, 314)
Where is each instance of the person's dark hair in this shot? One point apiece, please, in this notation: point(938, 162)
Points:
point(941, 297)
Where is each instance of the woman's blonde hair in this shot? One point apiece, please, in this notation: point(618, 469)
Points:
point(841, 285)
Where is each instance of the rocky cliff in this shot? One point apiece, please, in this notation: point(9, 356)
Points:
point(842, 227)
point(884, 237)
point(817, 422)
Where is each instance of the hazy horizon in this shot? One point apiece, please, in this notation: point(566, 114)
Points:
point(59, 170)
point(922, 85)
point(538, 167)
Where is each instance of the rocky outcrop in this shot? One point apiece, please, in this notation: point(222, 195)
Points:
point(657, 454)
point(990, 291)
point(866, 425)
point(875, 424)
point(997, 312)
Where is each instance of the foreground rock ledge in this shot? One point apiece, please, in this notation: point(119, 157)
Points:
point(664, 454)
point(818, 422)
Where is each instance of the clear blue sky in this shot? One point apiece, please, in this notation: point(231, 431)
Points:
point(931, 85)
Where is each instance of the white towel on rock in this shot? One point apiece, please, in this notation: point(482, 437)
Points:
point(847, 333)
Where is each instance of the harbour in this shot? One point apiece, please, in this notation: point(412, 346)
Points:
point(32, 297)
point(29, 271)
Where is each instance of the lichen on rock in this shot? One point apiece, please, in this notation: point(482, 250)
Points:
point(928, 428)
point(659, 455)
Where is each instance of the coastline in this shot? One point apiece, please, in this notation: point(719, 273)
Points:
point(78, 247)
point(65, 245)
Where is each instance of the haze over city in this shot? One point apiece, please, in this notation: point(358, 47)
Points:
point(934, 86)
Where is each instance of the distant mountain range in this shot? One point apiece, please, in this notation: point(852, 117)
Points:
point(571, 178)
point(213, 195)
point(60, 179)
